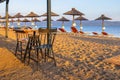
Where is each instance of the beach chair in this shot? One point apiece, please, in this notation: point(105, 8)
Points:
point(81, 32)
point(45, 47)
point(106, 34)
point(62, 30)
point(74, 30)
point(95, 33)
point(21, 38)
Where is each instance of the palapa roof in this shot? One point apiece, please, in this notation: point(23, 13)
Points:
point(25, 20)
point(18, 15)
point(18, 20)
point(63, 19)
point(73, 11)
point(103, 17)
point(36, 20)
point(2, 1)
point(46, 19)
point(81, 18)
point(52, 14)
point(32, 14)
point(4, 17)
point(11, 20)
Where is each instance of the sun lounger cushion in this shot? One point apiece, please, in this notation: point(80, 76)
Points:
point(62, 30)
point(95, 33)
point(104, 33)
point(81, 32)
point(74, 30)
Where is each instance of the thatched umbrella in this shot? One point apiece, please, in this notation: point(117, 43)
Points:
point(35, 20)
point(73, 12)
point(52, 14)
point(103, 17)
point(32, 15)
point(63, 19)
point(81, 18)
point(25, 20)
point(6, 31)
point(9, 16)
point(18, 15)
point(18, 22)
point(11, 20)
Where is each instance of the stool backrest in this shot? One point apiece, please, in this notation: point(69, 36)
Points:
point(21, 34)
point(45, 33)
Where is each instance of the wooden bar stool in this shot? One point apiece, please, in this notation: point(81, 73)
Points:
point(33, 41)
point(46, 46)
point(21, 38)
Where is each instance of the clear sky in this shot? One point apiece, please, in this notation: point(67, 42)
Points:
point(91, 8)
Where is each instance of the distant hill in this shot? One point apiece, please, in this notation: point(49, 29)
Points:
point(89, 23)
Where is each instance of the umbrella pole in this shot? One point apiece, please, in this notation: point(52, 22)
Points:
point(6, 31)
point(73, 20)
point(48, 21)
point(48, 14)
point(62, 24)
point(80, 25)
point(103, 25)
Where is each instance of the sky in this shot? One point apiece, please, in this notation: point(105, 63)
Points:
point(91, 8)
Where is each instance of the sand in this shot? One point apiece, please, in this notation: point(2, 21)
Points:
point(78, 58)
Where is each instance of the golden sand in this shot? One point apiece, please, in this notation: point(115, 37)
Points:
point(78, 58)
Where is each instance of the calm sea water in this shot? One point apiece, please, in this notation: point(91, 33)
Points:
point(115, 30)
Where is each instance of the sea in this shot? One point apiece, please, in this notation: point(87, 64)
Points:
point(90, 26)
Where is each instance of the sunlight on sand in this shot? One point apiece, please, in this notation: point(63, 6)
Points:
point(78, 58)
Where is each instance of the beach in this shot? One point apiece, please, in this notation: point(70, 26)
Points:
point(78, 57)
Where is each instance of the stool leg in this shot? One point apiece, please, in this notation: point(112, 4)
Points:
point(16, 48)
point(21, 49)
point(54, 57)
point(26, 51)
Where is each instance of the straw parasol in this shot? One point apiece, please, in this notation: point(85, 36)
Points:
point(11, 20)
point(35, 20)
point(9, 16)
point(52, 14)
point(63, 19)
point(103, 17)
point(32, 14)
point(2, 1)
point(81, 18)
point(18, 15)
point(18, 22)
point(25, 20)
point(73, 12)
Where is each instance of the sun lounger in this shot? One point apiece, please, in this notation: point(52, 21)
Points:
point(106, 34)
point(95, 33)
point(74, 30)
point(81, 32)
point(62, 30)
